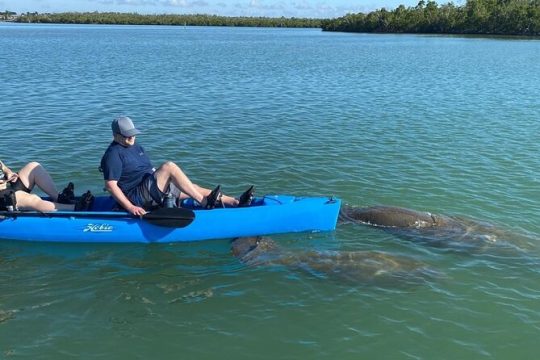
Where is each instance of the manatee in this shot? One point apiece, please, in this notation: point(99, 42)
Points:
point(6, 315)
point(361, 267)
point(437, 230)
point(391, 216)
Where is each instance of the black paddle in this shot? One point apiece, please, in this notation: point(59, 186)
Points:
point(170, 217)
point(167, 217)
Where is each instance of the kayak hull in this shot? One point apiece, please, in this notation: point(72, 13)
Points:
point(271, 214)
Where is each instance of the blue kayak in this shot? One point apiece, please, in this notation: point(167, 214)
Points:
point(270, 214)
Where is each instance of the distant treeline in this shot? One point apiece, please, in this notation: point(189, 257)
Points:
point(489, 17)
point(6, 15)
point(189, 20)
point(483, 17)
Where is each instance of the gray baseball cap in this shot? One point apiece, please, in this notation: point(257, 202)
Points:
point(123, 125)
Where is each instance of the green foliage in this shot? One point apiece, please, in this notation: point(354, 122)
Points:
point(189, 20)
point(6, 15)
point(494, 17)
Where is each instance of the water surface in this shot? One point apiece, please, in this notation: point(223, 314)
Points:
point(434, 123)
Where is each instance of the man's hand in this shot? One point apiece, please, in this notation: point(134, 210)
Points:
point(118, 195)
point(137, 211)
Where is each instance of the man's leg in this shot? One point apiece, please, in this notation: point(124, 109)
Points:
point(168, 172)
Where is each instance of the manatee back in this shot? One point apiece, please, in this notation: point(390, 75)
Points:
point(390, 216)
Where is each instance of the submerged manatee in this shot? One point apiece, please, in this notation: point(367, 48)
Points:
point(6, 315)
point(437, 230)
point(391, 216)
point(362, 267)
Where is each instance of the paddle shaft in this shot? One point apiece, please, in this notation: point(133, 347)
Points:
point(173, 217)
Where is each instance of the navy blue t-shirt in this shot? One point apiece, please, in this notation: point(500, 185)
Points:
point(127, 165)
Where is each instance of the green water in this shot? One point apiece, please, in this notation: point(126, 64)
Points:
point(441, 124)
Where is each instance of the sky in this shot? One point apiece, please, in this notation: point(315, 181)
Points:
point(269, 8)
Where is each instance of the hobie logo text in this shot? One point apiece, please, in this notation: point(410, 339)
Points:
point(98, 228)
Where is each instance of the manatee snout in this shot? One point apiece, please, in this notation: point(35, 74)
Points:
point(241, 246)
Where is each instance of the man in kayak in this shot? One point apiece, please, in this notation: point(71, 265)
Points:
point(137, 186)
point(15, 191)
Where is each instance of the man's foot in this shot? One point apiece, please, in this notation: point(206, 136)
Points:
point(85, 202)
point(213, 198)
point(247, 197)
point(67, 196)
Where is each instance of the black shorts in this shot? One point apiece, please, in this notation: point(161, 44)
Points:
point(18, 185)
point(147, 194)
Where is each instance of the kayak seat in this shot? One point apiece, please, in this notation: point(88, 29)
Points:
point(104, 203)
